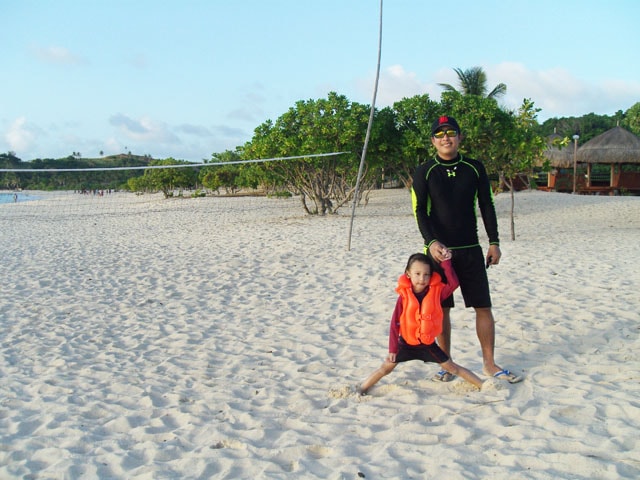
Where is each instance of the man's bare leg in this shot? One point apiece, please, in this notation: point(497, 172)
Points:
point(486, 331)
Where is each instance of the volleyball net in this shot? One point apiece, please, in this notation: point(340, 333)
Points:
point(55, 192)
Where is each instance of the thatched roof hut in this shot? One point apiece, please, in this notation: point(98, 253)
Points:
point(616, 145)
point(558, 157)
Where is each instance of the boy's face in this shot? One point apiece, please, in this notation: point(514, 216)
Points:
point(447, 146)
point(419, 273)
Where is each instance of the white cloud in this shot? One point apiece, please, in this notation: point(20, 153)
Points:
point(252, 105)
point(196, 130)
point(229, 132)
point(557, 91)
point(395, 83)
point(21, 135)
point(112, 145)
point(144, 130)
point(57, 55)
point(245, 114)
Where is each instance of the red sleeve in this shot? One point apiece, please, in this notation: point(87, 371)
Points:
point(452, 279)
point(394, 328)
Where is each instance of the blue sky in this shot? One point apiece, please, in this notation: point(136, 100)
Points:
point(188, 78)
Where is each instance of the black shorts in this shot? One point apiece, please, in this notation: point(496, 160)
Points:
point(427, 353)
point(472, 273)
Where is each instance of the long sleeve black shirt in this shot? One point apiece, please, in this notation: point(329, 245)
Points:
point(444, 196)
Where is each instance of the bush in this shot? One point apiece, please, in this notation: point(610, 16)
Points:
point(280, 194)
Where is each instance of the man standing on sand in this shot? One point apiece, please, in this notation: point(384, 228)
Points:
point(444, 194)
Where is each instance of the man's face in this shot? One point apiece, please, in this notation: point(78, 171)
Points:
point(447, 146)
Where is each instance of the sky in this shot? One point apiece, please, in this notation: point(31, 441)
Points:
point(190, 78)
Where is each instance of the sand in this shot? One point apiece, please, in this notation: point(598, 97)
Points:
point(222, 338)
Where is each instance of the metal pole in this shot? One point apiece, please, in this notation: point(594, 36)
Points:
point(575, 161)
point(356, 193)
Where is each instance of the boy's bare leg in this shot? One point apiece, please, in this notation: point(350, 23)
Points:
point(444, 342)
point(444, 339)
point(385, 369)
point(468, 375)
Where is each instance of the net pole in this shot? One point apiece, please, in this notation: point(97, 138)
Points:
point(356, 193)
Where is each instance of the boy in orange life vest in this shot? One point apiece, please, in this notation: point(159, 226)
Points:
point(417, 320)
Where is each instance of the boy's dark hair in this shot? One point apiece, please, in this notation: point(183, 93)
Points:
point(418, 257)
point(427, 260)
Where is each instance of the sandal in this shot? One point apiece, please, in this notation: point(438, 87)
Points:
point(443, 376)
point(508, 376)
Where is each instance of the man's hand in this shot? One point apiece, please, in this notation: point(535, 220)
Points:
point(493, 255)
point(439, 252)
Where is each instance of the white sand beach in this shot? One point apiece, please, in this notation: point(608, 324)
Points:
point(221, 338)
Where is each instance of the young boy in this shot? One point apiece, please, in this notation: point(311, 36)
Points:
point(417, 320)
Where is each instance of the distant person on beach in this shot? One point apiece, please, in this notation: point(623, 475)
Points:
point(444, 195)
point(417, 320)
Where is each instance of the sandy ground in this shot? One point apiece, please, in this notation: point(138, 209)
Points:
point(222, 338)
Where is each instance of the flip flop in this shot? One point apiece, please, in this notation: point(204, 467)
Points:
point(443, 376)
point(508, 376)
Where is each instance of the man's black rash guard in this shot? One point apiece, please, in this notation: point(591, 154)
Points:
point(444, 195)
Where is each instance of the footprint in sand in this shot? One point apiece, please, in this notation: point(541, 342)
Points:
point(344, 391)
point(318, 451)
point(234, 444)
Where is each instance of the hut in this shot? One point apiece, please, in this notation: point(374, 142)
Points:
point(618, 148)
point(560, 177)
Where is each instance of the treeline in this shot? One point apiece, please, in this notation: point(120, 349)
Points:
point(588, 126)
point(78, 179)
point(510, 143)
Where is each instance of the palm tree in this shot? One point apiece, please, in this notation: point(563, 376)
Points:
point(474, 82)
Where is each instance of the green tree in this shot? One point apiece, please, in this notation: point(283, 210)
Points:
point(587, 126)
point(632, 119)
point(311, 127)
point(482, 121)
point(237, 175)
point(217, 176)
point(473, 81)
point(165, 180)
point(386, 143)
point(507, 143)
point(413, 123)
point(138, 184)
point(518, 151)
point(10, 180)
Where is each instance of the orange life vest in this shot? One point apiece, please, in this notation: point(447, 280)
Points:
point(420, 322)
